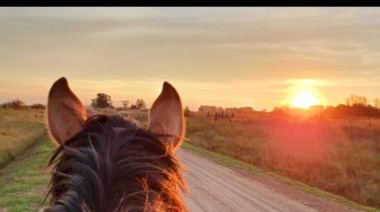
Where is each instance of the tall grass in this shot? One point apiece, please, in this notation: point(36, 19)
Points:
point(341, 159)
point(19, 129)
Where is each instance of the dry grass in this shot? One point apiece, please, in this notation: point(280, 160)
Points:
point(19, 129)
point(338, 156)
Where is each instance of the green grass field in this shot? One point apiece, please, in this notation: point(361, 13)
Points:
point(24, 181)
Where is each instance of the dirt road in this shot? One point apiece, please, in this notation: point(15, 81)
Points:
point(217, 188)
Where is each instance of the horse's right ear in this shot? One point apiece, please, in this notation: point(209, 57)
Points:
point(166, 117)
point(66, 114)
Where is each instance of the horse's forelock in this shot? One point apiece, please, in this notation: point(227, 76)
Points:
point(113, 165)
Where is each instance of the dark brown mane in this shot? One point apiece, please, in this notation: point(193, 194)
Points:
point(114, 165)
point(107, 164)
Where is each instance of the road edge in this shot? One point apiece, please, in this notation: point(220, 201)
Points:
point(255, 171)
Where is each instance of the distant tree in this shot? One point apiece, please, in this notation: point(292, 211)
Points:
point(245, 109)
point(280, 112)
point(125, 104)
point(119, 108)
point(219, 109)
point(376, 102)
point(140, 104)
point(357, 100)
point(356, 109)
point(133, 106)
point(187, 111)
point(102, 101)
point(207, 108)
point(38, 106)
point(15, 104)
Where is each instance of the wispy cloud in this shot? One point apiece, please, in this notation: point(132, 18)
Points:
point(250, 55)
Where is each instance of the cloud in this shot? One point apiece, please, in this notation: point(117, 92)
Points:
point(240, 52)
point(79, 13)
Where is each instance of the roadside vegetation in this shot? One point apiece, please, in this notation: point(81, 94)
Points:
point(334, 152)
point(23, 182)
point(341, 157)
point(19, 129)
point(25, 149)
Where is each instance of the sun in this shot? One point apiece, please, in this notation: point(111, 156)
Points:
point(304, 99)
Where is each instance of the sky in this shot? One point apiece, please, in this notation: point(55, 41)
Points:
point(229, 57)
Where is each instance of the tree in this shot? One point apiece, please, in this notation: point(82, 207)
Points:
point(357, 100)
point(376, 102)
point(125, 104)
point(102, 101)
point(15, 104)
point(207, 108)
point(140, 104)
point(187, 111)
point(38, 106)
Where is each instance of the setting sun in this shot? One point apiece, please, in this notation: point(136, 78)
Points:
point(304, 99)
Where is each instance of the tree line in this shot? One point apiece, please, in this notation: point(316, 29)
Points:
point(103, 100)
point(17, 104)
point(216, 109)
point(355, 105)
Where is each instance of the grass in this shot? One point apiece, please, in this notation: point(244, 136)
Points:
point(24, 181)
point(343, 160)
point(19, 129)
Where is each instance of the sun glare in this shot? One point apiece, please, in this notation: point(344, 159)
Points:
point(304, 99)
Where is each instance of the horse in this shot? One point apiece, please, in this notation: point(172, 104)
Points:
point(106, 163)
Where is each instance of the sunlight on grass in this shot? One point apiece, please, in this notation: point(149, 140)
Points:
point(19, 129)
point(228, 161)
point(339, 159)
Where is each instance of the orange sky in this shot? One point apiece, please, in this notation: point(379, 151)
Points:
point(258, 57)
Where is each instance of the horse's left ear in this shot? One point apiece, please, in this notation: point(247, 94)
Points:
point(66, 114)
point(166, 117)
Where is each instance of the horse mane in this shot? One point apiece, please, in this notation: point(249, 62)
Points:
point(114, 165)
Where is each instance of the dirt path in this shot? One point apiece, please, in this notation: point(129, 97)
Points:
point(217, 188)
